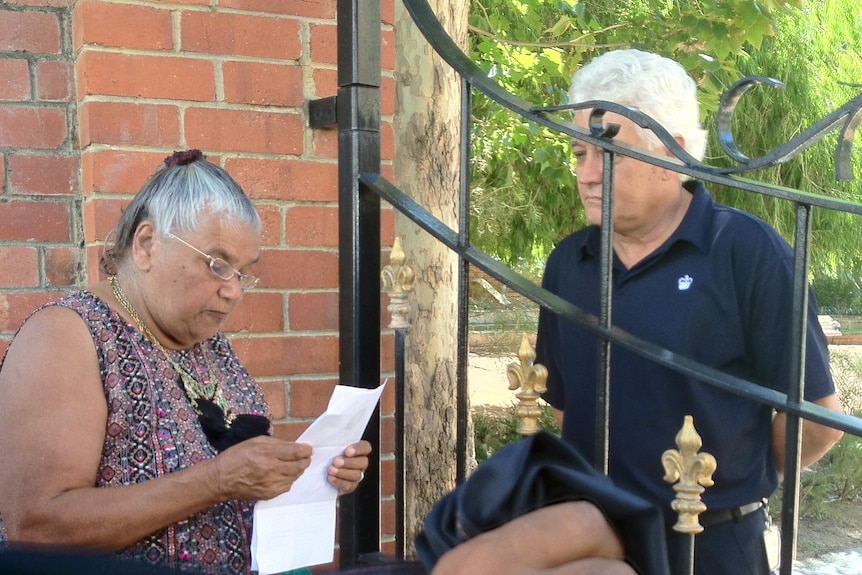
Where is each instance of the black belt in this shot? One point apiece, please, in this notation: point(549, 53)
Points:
point(710, 518)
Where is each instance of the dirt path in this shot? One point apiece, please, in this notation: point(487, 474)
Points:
point(838, 530)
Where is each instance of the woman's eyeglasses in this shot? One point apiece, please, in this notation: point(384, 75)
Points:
point(221, 269)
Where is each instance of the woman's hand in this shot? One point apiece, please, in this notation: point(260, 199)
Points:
point(347, 470)
point(260, 468)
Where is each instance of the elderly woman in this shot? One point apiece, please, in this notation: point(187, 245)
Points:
point(127, 423)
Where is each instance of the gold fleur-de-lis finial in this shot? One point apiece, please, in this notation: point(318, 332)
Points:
point(530, 379)
point(397, 281)
point(690, 472)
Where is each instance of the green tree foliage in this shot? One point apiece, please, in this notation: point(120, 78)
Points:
point(815, 52)
point(524, 193)
point(524, 198)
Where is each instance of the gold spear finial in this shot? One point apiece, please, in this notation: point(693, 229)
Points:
point(397, 281)
point(690, 472)
point(530, 379)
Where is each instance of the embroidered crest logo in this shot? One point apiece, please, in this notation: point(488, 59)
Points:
point(684, 282)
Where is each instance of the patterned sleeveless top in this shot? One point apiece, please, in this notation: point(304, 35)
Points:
point(152, 430)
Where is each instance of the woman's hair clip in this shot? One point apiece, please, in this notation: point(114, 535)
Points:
point(183, 158)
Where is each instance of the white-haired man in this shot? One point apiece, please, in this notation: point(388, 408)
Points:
point(698, 278)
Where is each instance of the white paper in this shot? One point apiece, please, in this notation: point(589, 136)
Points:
point(297, 528)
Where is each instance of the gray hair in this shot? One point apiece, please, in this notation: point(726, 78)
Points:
point(173, 199)
point(657, 86)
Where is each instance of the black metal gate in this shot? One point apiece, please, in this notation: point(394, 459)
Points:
point(356, 111)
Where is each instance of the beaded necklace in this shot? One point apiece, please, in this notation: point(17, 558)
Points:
point(194, 389)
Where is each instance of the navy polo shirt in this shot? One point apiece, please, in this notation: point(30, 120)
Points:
point(719, 291)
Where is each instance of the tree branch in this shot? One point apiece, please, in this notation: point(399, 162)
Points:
point(571, 43)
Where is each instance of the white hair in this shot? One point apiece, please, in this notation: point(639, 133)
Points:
point(175, 197)
point(657, 86)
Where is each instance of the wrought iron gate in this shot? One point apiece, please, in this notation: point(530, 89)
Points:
point(356, 112)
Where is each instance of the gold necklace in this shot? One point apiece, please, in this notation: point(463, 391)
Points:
point(194, 390)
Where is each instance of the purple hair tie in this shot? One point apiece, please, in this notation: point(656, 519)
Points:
point(183, 158)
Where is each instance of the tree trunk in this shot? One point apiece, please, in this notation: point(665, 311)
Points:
point(426, 166)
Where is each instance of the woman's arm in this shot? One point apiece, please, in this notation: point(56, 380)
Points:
point(52, 427)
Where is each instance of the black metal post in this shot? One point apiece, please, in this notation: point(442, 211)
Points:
point(463, 282)
point(358, 116)
point(400, 507)
point(685, 565)
point(793, 438)
point(603, 371)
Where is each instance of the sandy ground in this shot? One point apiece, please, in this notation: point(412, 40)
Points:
point(487, 380)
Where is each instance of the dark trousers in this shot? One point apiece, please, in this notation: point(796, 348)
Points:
point(733, 547)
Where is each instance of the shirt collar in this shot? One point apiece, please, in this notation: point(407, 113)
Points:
point(695, 227)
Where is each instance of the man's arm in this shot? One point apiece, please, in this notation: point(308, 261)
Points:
point(816, 439)
point(558, 417)
point(572, 538)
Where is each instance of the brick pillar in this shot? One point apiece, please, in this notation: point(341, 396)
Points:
point(95, 93)
point(40, 226)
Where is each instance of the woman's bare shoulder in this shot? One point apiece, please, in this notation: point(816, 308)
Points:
point(53, 347)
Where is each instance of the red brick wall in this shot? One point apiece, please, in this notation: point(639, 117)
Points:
point(95, 93)
point(40, 193)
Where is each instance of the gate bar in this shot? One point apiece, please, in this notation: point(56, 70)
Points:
point(358, 116)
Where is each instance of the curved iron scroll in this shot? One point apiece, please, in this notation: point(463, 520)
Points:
point(850, 115)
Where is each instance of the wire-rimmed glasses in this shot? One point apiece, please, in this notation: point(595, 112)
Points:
point(221, 269)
